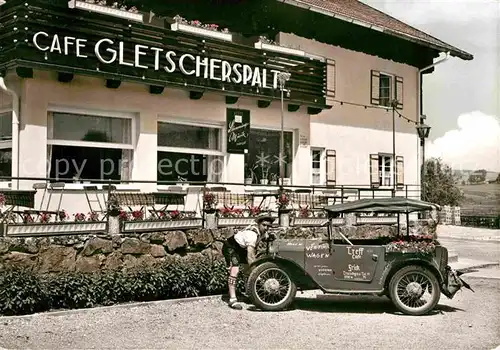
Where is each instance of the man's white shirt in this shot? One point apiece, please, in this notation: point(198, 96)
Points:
point(246, 237)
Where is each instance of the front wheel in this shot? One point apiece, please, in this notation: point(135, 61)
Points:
point(414, 290)
point(270, 287)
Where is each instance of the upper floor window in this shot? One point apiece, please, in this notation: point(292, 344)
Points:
point(385, 88)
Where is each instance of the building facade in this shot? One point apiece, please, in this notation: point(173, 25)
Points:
point(149, 102)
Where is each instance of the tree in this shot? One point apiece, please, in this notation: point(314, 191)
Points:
point(439, 184)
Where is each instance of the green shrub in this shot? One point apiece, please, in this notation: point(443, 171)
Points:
point(24, 292)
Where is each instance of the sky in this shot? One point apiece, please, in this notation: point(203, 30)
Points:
point(461, 98)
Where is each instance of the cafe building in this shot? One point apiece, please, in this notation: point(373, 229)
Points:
point(94, 92)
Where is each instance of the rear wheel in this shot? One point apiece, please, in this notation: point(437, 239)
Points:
point(271, 287)
point(414, 290)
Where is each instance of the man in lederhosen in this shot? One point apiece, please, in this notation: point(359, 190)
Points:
point(240, 249)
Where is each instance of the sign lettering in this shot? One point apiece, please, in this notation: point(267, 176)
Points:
point(108, 51)
point(238, 130)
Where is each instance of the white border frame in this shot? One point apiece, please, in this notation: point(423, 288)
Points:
point(322, 166)
point(97, 113)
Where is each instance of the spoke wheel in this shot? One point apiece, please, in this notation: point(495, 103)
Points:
point(271, 287)
point(414, 290)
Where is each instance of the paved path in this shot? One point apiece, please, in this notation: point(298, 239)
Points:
point(469, 321)
point(469, 233)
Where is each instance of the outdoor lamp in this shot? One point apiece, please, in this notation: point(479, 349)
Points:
point(423, 131)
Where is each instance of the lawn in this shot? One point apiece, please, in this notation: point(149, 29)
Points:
point(483, 199)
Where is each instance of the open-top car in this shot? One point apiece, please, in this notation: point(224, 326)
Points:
point(411, 270)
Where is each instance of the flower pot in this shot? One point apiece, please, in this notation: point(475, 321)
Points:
point(278, 48)
point(210, 220)
point(264, 181)
point(248, 181)
point(274, 183)
point(201, 31)
point(284, 218)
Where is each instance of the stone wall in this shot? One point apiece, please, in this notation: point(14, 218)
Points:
point(92, 253)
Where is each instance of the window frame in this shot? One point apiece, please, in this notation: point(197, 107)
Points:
point(6, 143)
point(294, 140)
point(381, 173)
point(322, 166)
point(96, 113)
point(200, 151)
point(391, 88)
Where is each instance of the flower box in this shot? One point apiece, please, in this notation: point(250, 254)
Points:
point(225, 222)
point(309, 221)
point(56, 228)
point(201, 31)
point(105, 10)
point(158, 225)
point(280, 49)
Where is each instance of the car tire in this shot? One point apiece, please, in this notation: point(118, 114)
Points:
point(258, 276)
point(423, 273)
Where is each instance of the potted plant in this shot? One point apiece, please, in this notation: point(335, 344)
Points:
point(265, 174)
point(249, 174)
point(273, 179)
point(282, 202)
point(196, 27)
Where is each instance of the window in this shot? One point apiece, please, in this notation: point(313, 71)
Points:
point(87, 147)
point(262, 160)
point(6, 144)
point(316, 166)
point(382, 170)
point(385, 88)
point(189, 152)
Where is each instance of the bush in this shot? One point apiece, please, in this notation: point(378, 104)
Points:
point(25, 292)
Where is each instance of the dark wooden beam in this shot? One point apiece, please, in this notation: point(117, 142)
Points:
point(65, 77)
point(195, 95)
point(293, 107)
point(231, 100)
point(156, 90)
point(24, 72)
point(113, 84)
point(313, 110)
point(263, 103)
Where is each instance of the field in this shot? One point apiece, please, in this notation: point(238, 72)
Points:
point(483, 199)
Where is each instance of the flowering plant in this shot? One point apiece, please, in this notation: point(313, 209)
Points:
point(196, 23)
point(137, 215)
point(231, 212)
point(304, 212)
point(45, 217)
point(283, 200)
point(124, 215)
point(175, 214)
point(254, 210)
point(263, 39)
point(27, 218)
point(209, 201)
point(62, 215)
point(2, 199)
point(412, 244)
point(93, 216)
point(79, 217)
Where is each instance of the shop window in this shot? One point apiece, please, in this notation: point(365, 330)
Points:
point(188, 152)
point(262, 160)
point(6, 144)
point(89, 148)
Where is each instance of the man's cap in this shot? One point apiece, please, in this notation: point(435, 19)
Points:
point(265, 218)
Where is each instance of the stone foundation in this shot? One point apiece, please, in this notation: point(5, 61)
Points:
point(127, 252)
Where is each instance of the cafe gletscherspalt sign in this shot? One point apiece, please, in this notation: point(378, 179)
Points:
point(110, 52)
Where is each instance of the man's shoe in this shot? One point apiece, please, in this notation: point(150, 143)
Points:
point(234, 304)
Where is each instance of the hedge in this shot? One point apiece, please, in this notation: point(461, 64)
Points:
point(25, 292)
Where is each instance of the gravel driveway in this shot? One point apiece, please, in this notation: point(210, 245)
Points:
point(470, 321)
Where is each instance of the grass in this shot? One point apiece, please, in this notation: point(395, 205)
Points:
point(483, 199)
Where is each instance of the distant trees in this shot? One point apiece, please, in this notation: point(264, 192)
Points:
point(478, 176)
point(439, 184)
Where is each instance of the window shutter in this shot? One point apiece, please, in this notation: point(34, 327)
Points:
point(374, 173)
point(331, 159)
point(331, 79)
point(375, 87)
point(400, 181)
point(399, 92)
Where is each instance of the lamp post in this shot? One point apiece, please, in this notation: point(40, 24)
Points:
point(394, 103)
point(283, 77)
point(423, 131)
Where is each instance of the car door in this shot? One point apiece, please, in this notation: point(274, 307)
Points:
point(357, 263)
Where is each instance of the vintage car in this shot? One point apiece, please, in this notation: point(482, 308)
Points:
point(412, 271)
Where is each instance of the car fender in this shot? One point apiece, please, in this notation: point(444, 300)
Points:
point(398, 264)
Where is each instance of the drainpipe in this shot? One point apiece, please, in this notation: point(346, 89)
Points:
point(420, 104)
point(15, 131)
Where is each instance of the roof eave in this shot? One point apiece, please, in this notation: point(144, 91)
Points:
point(454, 52)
